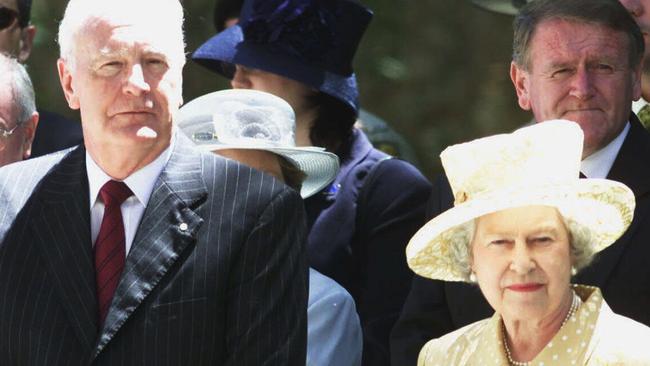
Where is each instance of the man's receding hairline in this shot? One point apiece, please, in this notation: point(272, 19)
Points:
point(533, 35)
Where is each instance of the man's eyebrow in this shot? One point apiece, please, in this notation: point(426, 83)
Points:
point(557, 65)
point(107, 52)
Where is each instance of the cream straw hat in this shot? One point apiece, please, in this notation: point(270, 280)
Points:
point(536, 165)
point(250, 119)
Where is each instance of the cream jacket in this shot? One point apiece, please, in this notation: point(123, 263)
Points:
point(593, 336)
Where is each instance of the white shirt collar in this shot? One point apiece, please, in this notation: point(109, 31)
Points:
point(141, 182)
point(638, 104)
point(598, 164)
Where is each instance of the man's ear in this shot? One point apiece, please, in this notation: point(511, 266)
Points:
point(520, 79)
point(65, 77)
point(637, 81)
point(26, 43)
point(28, 135)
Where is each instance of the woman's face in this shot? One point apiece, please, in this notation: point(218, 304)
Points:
point(522, 261)
point(294, 92)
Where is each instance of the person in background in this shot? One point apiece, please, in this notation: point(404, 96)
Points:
point(639, 9)
point(53, 132)
point(380, 134)
point(136, 248)
point(257, 129)
point(302, 51)
point(18, 116)
point(523, 223)
point(595, 87)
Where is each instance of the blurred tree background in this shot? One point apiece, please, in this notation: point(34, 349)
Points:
point(436, 70)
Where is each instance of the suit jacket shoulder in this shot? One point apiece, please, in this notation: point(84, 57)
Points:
point(19, 180)
point(55, 132)
point(618, 340)
point(334, 332)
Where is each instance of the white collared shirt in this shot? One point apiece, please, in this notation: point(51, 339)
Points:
point(141, 184)
point(598, 164)
point(638, 104)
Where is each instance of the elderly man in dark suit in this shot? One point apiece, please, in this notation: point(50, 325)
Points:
point(135, 248)
point(562, 69)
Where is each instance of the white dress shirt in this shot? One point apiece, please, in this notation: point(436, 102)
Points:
point(141, 184)
point(598, 164)
point(638, 104)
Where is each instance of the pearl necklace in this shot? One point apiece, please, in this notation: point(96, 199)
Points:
point(575, 304)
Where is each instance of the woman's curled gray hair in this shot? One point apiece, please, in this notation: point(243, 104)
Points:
point(579, 238)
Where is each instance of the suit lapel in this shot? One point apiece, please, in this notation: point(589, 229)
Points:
point(631, 164)
point(168, 226)
point(630, 168)
point(61, 230)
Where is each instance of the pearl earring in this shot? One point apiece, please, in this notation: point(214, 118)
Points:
point(472, 277)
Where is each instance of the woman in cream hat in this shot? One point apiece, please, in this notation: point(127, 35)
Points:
point(521, 225)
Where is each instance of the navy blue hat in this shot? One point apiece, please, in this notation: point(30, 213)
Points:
point(310, 41)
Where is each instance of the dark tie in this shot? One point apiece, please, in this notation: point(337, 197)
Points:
point(110, 245)
point(582, 175)
point(644, 116)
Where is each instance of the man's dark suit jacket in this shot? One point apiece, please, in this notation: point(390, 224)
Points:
point(622, 271)
point(54, 133)
point(227, 288)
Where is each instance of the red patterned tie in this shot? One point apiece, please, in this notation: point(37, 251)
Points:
point(110, 245)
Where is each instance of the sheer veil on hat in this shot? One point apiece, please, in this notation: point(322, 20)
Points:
point(250, 119)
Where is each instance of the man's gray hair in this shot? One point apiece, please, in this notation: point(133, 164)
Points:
point(579, 241)
point(22, 90)
point(81, 13)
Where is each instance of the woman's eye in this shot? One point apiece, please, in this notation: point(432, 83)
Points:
point(543, 239)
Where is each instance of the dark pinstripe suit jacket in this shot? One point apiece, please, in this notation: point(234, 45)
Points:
point(231, 289)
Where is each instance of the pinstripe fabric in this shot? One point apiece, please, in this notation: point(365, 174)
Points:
point(216, 275)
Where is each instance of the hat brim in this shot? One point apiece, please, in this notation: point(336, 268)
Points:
point(497, 6)
point(604, 206)
point(226, 49)
point(320, 167)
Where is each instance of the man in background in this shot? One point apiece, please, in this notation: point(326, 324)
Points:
point(54, 132)
point(18, 116)
point(640, 11)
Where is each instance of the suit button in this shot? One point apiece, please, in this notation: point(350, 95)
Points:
point(183, 226)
